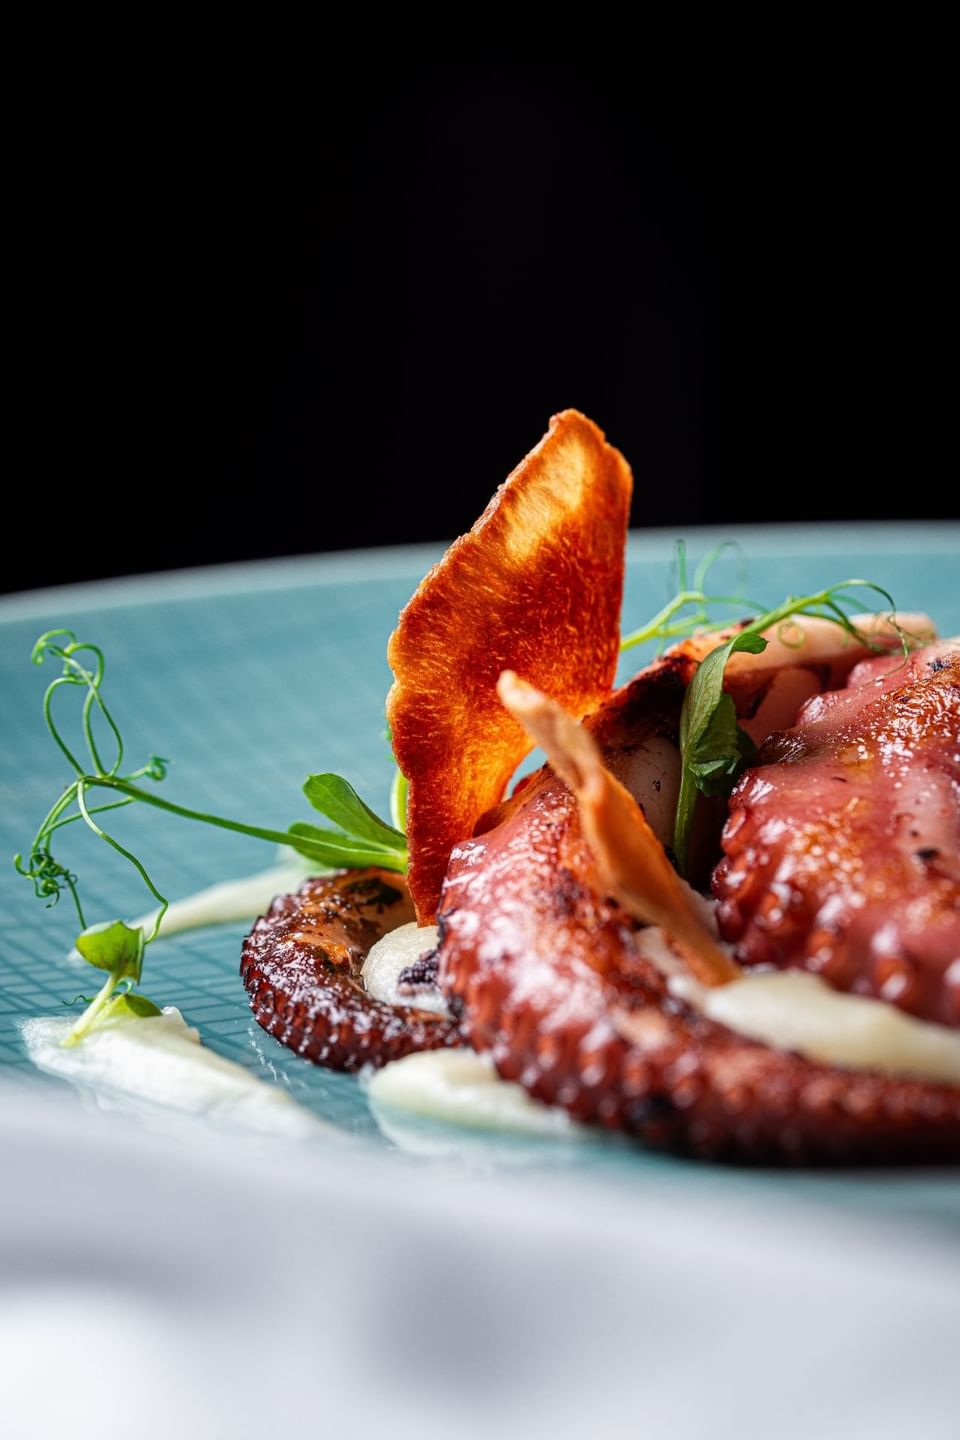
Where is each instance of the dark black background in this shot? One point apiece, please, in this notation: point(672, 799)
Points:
point(258, 319)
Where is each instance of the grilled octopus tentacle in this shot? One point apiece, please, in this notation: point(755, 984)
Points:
point(549, 977)
point(842, 850)
point(301, 965)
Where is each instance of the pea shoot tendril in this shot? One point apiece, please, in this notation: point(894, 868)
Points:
point(362, 839)
point(713, 748)
point(691, 609)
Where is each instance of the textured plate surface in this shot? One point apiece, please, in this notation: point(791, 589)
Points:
point(249, 678)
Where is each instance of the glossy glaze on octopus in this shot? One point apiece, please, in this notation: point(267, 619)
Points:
point(842, 850)
point(547, 975)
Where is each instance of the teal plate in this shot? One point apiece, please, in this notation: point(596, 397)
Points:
point(249, 677)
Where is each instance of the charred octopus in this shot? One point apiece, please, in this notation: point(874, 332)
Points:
point(838, 851)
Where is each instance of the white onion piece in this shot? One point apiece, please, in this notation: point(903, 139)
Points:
point(392, 954)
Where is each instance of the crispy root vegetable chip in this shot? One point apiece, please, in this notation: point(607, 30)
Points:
point(631, 863)
point(535, 586)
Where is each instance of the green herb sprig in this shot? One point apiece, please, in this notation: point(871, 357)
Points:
point(713, 748)
point(362, 838)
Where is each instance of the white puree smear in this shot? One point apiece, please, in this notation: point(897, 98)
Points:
point(391, 954)
point(242, 899)
point(160, 1060)
point(794, 1010)
point(463, 1088)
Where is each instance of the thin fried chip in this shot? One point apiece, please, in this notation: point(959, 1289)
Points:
point(535, 586)
point(631, 863)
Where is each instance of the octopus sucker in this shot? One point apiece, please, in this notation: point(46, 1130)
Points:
point(301, 965)
point(842, 849)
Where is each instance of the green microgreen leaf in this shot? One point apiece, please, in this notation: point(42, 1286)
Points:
point(336, 798)
point(110, 1006)
point(127, 1006)
point(113, 946)
point(335, 851)
point(364, 839)
point(118, 949)
point(713, 748)
point(399, 791)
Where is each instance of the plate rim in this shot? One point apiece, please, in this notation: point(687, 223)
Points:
point(410, 562)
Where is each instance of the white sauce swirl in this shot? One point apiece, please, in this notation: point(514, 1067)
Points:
point(794, 1010)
